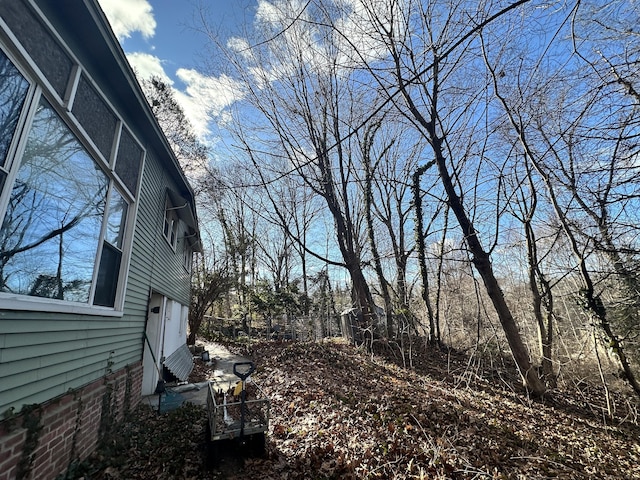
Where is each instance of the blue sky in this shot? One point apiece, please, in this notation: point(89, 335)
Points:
point(160, 38)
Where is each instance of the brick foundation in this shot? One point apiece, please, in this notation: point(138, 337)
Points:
point(42, 442)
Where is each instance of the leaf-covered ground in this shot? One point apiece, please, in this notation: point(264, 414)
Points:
point(340, 413)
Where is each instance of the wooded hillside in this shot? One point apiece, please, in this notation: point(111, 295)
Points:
point(465, 172)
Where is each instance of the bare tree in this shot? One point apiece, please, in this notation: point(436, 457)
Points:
point(579, 147)
point(294, 80)
point(210, 281)
point(434, 334)
point(445, 33)
point(370, 167)
point(238, 223)
point(390, 152)
point(192, 154)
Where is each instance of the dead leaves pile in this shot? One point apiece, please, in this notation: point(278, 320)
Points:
point(337, 413)
point(149, 446)
point(201, 372)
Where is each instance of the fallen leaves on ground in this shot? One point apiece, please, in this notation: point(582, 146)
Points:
point(339, 413)
point(201, 372)
point(150, 446)
point(345, 414)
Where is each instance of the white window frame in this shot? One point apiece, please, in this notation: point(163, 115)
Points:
point(170, 225)
point(187, 257)
point(40, 87)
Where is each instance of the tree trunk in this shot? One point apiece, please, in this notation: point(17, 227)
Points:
point(420, 245)
point(540, 292)
point(361, 294)
point(482, 262)
point(480, 258)
point(368, 200)
point(345, 235)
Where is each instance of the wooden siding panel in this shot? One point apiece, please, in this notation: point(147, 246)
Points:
point(43, 323)
point(39, 390)
point(54, 343)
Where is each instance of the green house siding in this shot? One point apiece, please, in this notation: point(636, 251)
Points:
point(41, 357)
point(165, 272)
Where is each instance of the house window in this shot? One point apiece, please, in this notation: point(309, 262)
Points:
point(51, 229)
point(13, 93)
point(111, 256)
point(187, 256)
point(63, 216)
point(171, 223)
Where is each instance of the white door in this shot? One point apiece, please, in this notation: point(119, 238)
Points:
point(151, 359)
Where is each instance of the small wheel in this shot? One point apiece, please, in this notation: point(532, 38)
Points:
point(258, 444)
point(211, 451)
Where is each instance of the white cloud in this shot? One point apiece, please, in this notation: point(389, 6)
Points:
point(240, 45)
point(147, 66)
point(129, 16)
point(205, 97)
point(358, 34)
point(293, 28)
point(267, 12)
point(279, 11)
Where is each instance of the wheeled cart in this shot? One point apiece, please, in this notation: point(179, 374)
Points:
point(240, 414)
